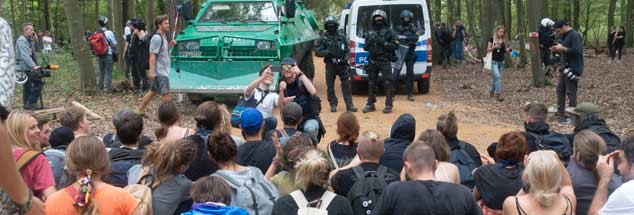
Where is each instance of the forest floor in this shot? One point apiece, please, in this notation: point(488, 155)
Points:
point(461, 88)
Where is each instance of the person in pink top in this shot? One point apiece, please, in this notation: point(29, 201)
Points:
point(24, 137)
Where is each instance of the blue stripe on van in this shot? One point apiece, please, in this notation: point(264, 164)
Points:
point(361, 58)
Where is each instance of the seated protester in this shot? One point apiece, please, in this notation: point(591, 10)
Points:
point(88, 162)
point(169, 131)
point(227, 128)
point(75, 118)
point(312, 178)
point(547, 190)
point(586, 116)
point(495, 182)
point(401, 135)
point(56, 155)
point(447, 172)
point(462, 154)
point(124, 157)
point(25, 144)
point(249, 188)
point(422, 194)
point(355, 183)
point(291, 117)
point(296, 87)
point(342, 150)
point(208, 118)
point(588, 147)
point(45, 131)
point(620, 201)
point(163, 168)
point(266, 100)
point(254, 152)
point(212, 195)
point(287, 158)
point(120, 120)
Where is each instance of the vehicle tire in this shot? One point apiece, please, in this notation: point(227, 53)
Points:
point(423, 86)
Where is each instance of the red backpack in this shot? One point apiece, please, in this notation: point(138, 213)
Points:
point(99, 43)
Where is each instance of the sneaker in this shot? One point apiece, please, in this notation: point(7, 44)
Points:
point(387, 110)
point(562, 118)
point(333, 109)
point(410, 97)
point(609, 61)
point(352, 109)
point(500, 97)
point(369, 108)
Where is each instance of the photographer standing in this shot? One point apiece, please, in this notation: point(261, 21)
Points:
point(139, 52)
point(546, 40)
point(27, 63)
point(571, 51)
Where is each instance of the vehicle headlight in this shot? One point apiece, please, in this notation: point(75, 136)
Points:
point(190, 45)
point(265, 44)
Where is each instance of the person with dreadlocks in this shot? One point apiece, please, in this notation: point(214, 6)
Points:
point(88, 161)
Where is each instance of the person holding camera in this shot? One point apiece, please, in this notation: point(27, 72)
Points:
point(27, 63)
point(498, 47)
point(571, 52)
point(140, 54)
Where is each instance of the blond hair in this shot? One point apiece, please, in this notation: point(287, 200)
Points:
point(17, 126)
point(495, 34)
point(589, 145)
point(312, 169)
point(543, 174)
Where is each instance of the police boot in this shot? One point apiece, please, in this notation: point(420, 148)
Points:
point(410, 97)
point(369, 108)
point(387, 109)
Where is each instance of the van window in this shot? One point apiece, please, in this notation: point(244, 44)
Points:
point(364, 23)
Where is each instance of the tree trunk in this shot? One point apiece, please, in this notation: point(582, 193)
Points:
point(149, 13)
point(493, 18)
point(535, 8)
point(575, 14)
point(96, 9)
point(117, 28)
point(129, 6)
point(630, 24)
point(437, 10)
point(436, 59)
point(458, 9)
point(521, 32)
point(13, 22)
point(109, 13)
point(554, 13)
point(451, 12)
point(23, 16)
point(471, 20)
point(47, 14)
point(611, 10)
point(567, 9)
point(87, 75)
point(508, 16)
point(55, 20)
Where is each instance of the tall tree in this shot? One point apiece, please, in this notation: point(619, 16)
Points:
point(535, 8)
point(567, 6)
point(576, 13)
point(437, 10)
point(451, 12)
point(554, 13)
point(519, 4)
point(81, 52)
point(117, 28)
point(611, 10)
point(458, 9)
point(630, 24)
point(494, 17)
point(47, 15)
point(97, 9)
point(471, 19)
point(508, 16)
point(13, 21)
point(149, 13)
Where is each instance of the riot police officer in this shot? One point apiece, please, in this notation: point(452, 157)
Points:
point(407, 37)
point(333, 48)
point(381, 43)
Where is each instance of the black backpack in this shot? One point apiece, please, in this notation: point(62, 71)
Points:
point(366, 192)
point(554, 141)
point(465, 164)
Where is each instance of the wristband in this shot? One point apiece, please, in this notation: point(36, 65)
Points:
point(26, 207)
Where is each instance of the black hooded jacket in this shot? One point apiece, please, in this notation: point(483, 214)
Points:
point(597, 125)
point(470, 149)
point(540, 128)
point(401, 135)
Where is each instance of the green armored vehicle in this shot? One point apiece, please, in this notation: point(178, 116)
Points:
point(223, 49)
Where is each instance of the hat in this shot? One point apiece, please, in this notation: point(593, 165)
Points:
point(288, 61)
point(291, 113)
point(61, 136)
point(560, 23)
point(251, 120)
point(584, 108)
point(123, 115)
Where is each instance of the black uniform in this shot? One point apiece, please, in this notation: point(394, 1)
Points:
point(332, 46)
point(407, 37)
point(381, 44)
point(546, 40)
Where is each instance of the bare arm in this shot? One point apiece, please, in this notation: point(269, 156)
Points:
point(490, 47)
point(309, 85)
point(254, 84)
point(152, 63)
point(605, 170)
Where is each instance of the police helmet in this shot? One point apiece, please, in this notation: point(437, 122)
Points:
point(378, 12)
point(407, 13)
point(103, 21)
point(139, 24)
point(546, 22)
point(330, 20)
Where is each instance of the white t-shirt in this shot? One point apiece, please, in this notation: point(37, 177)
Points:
point(266, 106)
point(47, 41)
point(621, 201)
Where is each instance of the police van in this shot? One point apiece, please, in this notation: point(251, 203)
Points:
point(356, 22)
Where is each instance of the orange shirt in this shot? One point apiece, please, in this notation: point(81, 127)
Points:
point(109, 199)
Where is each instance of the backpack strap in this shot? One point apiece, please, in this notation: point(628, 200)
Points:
point(332, 156)
point(263, 96)
point(26, 158)
point(381, 171)
point(283, 132)
point(261, 182)
point(255, 203)
point(358, 172)
point(300, 199)
point(326, 199)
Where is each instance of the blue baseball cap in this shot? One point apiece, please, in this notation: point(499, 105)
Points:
point(288, 61)
point(251, 120)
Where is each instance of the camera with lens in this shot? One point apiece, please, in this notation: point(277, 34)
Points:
point(45, 72)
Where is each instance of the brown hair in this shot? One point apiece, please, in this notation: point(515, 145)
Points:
point(166, 158)
point(370, 147)
point(511, 147)
point(537, 111)
point(88, 153)
point(168, 115)
point(160, 19)
point(435, 140)
point(313, 170)
point(420, 156)
point(589, 145)
point(208, 115)
point(221, 147)
point(72, 116)
point(294, 149)
point(448, 125)
point(42, 120)
point(211, 189)
point(348, 128)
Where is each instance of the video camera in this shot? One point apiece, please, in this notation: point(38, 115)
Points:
point(45, 72)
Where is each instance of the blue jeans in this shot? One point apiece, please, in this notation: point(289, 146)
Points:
point(311, 127)
point(458, 50)
point(105, 72)
point(496, 69)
